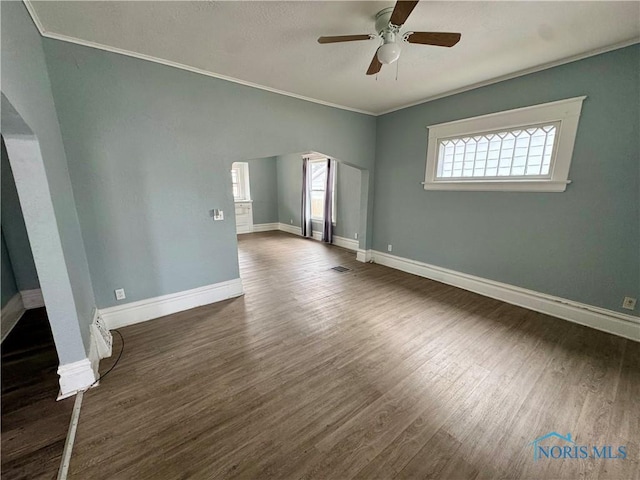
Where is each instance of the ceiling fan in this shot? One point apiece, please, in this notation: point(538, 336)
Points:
point(388, 24)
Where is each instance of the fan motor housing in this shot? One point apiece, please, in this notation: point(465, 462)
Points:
point(382, 20)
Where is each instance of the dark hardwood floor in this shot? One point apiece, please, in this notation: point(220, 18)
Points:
point(371, 373)
point(34, 425)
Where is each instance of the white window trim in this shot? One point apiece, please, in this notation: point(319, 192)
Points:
point(565, 112)
point(243, 181)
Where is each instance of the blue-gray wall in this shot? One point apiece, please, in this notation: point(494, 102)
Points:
point(15, 231)
point(149, 150)
point(348, 194)
point(263, 180)
point(582, 244)
point(289, 169)
point(8, 285)
point(26, 85)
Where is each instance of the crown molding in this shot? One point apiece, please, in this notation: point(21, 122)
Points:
point(448, 93)
point(34, 16)
point(181, 66)
point(519, 73)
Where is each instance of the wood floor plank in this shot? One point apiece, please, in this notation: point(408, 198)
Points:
point(624, 423)
point(34, 424)
point(422, 463)
point(412, 441)
point(370, 373)
point(600, 381)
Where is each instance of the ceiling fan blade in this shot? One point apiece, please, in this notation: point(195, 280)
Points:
point(345, 38)
point(375, 65)
point(401, 11)
point(439, 39)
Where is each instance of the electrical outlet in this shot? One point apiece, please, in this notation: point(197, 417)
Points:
point(356, 236)
point(629, 303)
point(389, 248)
point(120, 294)
point(291, 221)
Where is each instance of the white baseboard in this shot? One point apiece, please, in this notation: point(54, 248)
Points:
point(11, 314)
point(317, 235)
point(143, 310)
point(364, 256)
point(75, 377)
point(266, 227)
point(32, 298)
point(347, 243)
point(285, 227)
point(609, 321)
point(78, 376)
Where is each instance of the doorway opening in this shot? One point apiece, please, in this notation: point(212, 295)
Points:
point(20, 284)
point(269, 195)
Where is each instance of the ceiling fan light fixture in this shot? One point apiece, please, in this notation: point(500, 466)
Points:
point(389, 22)
point(388, 53)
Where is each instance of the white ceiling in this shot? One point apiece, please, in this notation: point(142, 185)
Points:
point(273, 44)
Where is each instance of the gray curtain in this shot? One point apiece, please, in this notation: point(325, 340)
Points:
point(306, 198)
point(327, 229)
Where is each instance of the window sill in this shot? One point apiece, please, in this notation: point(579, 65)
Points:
point(499, 186)
point(243, 201)
point(321, 220)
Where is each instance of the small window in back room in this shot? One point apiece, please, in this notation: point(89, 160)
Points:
point(240, 181)
point(318, 188)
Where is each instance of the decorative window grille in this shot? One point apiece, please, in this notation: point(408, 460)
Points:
point(526, 149)
point(515, 153)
